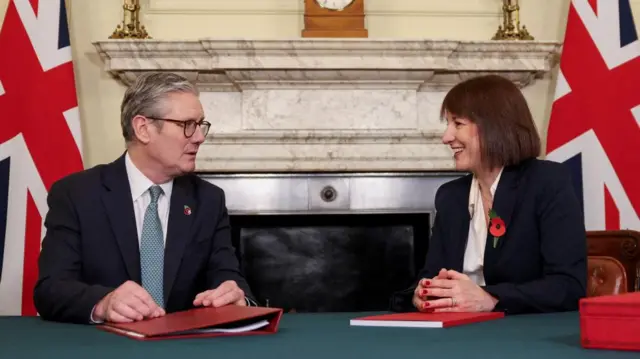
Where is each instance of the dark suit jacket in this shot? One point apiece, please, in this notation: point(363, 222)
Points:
point(540, 264)
point(91, 244)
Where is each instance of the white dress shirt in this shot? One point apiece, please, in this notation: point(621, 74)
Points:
point(141, 196)
point(474, 253)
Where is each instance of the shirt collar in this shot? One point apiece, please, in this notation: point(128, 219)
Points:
point(494, 186)
point(474, 192)
point(139, 183)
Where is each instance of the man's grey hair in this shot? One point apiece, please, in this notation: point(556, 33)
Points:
point(144, 97)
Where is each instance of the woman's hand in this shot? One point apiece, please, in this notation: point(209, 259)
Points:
point(420, 293)
point(451, 291)
point(419, 296)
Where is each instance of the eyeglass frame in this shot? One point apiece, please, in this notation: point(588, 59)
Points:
point(185, 124)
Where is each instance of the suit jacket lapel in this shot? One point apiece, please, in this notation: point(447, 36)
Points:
point(119, 207)
point(182, 210)
point(460, 226)
point(504, 203)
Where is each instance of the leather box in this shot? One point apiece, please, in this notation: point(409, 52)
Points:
point(611, 322)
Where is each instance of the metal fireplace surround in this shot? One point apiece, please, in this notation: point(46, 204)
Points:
point(330, 193)
point(330, 241)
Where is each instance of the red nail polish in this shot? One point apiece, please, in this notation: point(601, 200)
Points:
point(423, 292)
point(427, 282)
point(425, 305)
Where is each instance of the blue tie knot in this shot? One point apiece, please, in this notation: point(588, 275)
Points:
point(155, 191)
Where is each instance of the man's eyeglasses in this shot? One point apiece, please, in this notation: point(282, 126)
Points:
point(189, 126)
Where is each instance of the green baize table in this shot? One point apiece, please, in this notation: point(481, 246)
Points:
point(317, 335)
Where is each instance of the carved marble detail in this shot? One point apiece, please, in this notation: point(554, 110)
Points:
point(326, 104)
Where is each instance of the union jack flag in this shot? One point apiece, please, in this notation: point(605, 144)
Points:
point(595, 119)
point(40, 137)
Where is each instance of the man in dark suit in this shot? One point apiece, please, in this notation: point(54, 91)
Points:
point(141, 236)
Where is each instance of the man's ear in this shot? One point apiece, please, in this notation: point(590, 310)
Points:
point(141, 128)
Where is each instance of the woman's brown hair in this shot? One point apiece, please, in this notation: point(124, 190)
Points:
point(507, 132)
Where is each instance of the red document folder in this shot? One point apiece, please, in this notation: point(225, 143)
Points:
point(201, 322)
point(611, 322)
point(425, 320)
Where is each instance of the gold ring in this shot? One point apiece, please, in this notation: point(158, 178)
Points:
point(453, 301)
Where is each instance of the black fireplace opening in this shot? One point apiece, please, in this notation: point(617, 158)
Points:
point(330, 262)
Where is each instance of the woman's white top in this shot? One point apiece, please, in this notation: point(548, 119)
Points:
point(474, 253)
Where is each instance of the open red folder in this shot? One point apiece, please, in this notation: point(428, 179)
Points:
point(425, 320)
point(231, 320)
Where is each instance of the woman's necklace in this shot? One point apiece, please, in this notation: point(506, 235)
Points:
point(487, 204)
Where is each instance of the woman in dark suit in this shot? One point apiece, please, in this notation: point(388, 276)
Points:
point(509, 236)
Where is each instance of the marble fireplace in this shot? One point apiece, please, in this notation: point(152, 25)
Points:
point(328, 151)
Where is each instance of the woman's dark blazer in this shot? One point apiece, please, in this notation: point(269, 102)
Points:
point(540, 264)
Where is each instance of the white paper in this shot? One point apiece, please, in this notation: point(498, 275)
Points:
point(241, 329)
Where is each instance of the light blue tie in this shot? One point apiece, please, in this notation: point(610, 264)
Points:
point(152, 249)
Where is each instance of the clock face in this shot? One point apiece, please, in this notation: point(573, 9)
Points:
point(334, 4)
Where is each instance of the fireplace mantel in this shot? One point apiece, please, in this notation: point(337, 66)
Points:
point(326, 104)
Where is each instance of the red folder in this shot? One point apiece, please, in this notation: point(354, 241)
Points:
point(231, 320)
point(611, 322)
point(425, 320)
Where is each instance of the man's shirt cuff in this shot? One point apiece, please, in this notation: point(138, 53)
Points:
point(91, 319)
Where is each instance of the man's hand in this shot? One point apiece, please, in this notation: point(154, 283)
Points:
point(127, 303)
point(226, 293)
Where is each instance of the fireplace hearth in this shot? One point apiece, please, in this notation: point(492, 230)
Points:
point(330, 242)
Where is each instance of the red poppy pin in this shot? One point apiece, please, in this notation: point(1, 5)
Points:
point(187, 210)
point(497, 228)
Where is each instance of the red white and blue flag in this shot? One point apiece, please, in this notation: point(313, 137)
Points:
point(595, 119)
point(40, 137)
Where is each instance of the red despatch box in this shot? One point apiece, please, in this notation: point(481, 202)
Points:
point(611, 322)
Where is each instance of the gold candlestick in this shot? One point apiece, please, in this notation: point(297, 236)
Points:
point(510, 29)
point(130, 28)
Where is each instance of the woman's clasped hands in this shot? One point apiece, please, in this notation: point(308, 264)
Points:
point(451, 291)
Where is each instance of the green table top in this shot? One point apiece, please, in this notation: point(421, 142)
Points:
point(321, 335)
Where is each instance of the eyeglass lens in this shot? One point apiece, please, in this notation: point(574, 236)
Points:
point(190, 128)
